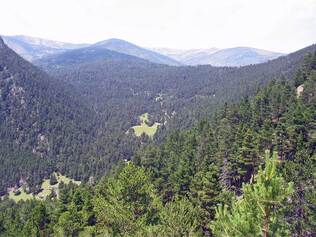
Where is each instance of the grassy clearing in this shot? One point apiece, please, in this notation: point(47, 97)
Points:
point(22, 196)
point(144, 128)
point(87, 232)
point(46, 189)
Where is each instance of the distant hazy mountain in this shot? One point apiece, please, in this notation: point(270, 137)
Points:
point(89, 54)
point(239, 56)
point(125, 47)
point(185, 56)
point(31, 48)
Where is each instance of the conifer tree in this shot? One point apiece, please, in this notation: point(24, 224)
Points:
point(180, 218)
point(126, 204)
point(248, 157)
point(258, 212)
point(205, 188)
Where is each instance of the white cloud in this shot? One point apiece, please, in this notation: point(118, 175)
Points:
point(280, 25)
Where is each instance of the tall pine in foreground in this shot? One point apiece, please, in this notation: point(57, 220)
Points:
point(259, 211)
point(125, 205)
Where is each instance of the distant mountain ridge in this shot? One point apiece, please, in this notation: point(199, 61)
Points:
point(183, 55)
point(238, 56)
point(84, 55)
point(125, 47)
point(32, 48)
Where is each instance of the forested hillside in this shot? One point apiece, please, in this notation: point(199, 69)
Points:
point(79, 120)
point(124, 89)
point(249, 170)
point(45, 125)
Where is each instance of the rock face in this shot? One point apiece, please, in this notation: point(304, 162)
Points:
point(299, 90)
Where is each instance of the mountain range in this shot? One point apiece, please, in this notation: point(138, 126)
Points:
point(32, 49)
point(72, 112)
point(238, 56)
point(73, 116)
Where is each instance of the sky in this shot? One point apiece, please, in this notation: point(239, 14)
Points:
point(278, 25)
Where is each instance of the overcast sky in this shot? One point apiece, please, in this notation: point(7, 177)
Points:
point(279, 25)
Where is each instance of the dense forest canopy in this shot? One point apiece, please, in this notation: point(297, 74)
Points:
point(249, 170)
point(47, 126)
point(78, 121)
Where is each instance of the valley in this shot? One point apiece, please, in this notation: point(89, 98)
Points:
point(98, 95)
point(158, 118)
point(112, 139)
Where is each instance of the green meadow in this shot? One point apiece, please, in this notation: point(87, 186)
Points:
point(47, 188)
point(144, 128)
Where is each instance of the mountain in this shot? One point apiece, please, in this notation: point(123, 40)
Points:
point(125, 47)
point(183, 55)
point(249, 170)
point(79, 119)
point(32, 48)
point(43, 122)
point(174, 96)
point(83, 55)
point(239, 56)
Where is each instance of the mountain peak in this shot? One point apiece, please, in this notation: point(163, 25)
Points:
point(113, 41)
point(123, 46)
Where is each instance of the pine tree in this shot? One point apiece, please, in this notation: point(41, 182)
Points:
point(225, 138)
point(53, 179)
point(248, 157)
point(126, 204)
point(258, 212)
point(180, 218)
point(205, 188)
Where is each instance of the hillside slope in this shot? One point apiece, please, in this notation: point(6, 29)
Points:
point(203, 181)
point(125, 47)
point(84, 55)
point(42, 121)
point(190, 92)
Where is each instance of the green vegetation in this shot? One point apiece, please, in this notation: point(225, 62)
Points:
point(20, 195)
point(46, 189)
point(144, 128)
point(259, 211)
point(195, 182)
point(80, 129)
